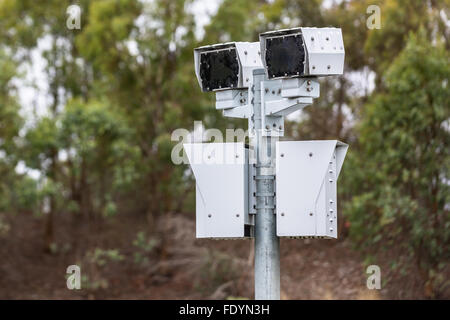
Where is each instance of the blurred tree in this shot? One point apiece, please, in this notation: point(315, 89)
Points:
point(398, 18)
point(95, 142)
point(10, 124)
point(400, 178)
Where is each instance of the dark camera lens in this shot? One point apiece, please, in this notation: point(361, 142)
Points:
point(285, 56)
point(219, 69)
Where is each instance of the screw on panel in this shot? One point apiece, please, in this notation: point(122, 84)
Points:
point(279, 91)
point(267, 127)
point(314, 67)
point(280, 127)
point(328, 67)
point(273, 91)
point(310, 154)
point(274, 125)
point(237, 156)
point(282, 155)
point(245, 52)
point(311, 214)
point(312, 38)
point(209, 215)
point(308, 82)
point(267, 90)
point(282, 214)
point(331, 180)
point(237, 215)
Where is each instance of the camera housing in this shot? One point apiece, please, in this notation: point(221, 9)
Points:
point(302, 52)
point(226, 66)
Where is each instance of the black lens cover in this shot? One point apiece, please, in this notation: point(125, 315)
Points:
point(285, 56)
point(219, 69)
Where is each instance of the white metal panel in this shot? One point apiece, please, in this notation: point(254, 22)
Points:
point(300, 87)
point(220, 173)
point(325, 49)
point(250, 58)
point(306, 187)
point(226, 99)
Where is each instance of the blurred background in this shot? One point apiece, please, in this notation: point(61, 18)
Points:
point(86, 176)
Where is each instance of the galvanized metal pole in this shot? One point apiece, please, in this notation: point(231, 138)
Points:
point(267, 244)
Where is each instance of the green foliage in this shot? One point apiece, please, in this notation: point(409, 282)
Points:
point(94, 266)
point(145, 246)
point(101, 257)
point(402, 181)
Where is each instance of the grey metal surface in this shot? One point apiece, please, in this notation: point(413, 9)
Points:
point(267, 244)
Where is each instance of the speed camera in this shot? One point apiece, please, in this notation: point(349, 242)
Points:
point(226, 65)
point(302, 52)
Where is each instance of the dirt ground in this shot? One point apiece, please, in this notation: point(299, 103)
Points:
point(178, 266)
